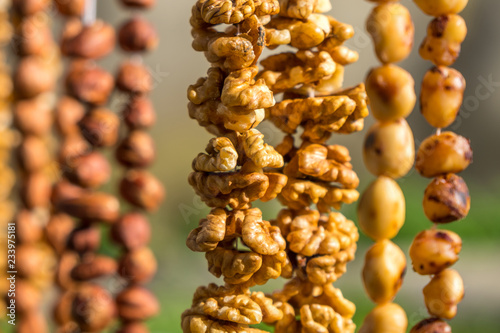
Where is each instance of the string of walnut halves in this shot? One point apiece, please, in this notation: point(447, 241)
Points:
point(307, 246)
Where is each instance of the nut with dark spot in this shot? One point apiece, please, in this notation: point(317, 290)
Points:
point(434, 250)
point(139, 113)
point(136, 304)
point(137, 35)
point(134, 78)
point(443, 153)
point(137, 150)
point(431, 325)
point(93, 308)
point(138, 266)
point(132, 231)
point(142, 189)
point(100, 127)
point(446, 199)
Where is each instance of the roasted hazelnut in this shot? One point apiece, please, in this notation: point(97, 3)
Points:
point(441, 96)
point(64, 190)
point(30, 7)
point(33, 117)
point(383, 271)
point(33, 35)
point(89, 84)
point(134, 78)
point(90, 171)
point(389, 149)
point(27, 297)
point(68, 113)
point(137, 35)
point(100, 127)
point(137, 150)
point(139, 113)
point(441, 7)
point(138, 3)
point(92, 206)
point(142, 189)
point(443, 294)
point(29, 227)
point(33, 154)
point(62, 310)
point(446, 199)
point(89, 42)
point(136, 303)
point(67, 261)
point(58, 230)
point(384, 318)
point(32, 322)
point(33, 77)
point(70, 7)
point(93, 308)
point(431, 325)
point(381, 209)
point(443, 43)
point(443, 153)
point(35, 190)
point(434, 250)
point(392, 30)
point(138, 266)
point(391, 91)
point(132, 231)
point(72, 147)
point(86, 238)
point(133, 327)
point(92, 267)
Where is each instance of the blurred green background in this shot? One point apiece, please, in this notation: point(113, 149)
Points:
point(179, 139)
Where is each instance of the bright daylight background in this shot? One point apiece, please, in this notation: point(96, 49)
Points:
point(179, 140)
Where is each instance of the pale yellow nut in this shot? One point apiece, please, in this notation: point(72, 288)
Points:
point(381, 210)
point(385, 318)
point(384, 270)
point(434, 250)
point(445, 35)
point(443, 294)
point(392, 30)
point(444, 153)
point(446, 199)
point(441, 7)
point(441, 96)
point(389, 149)
point(391, 90)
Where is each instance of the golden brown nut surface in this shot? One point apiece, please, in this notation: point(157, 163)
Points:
point(443, 294)
point(385, 318)
point(441, 7)
point(444, 153)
